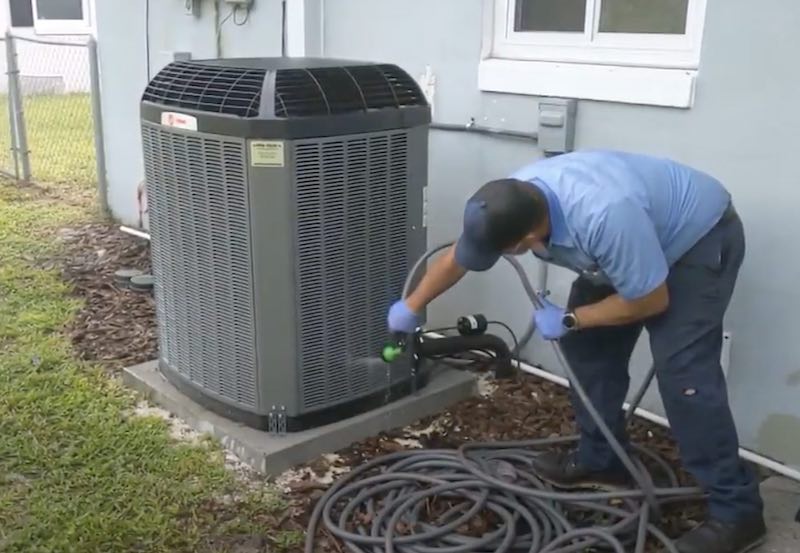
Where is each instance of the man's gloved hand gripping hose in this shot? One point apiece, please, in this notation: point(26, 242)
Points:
point(385, 505)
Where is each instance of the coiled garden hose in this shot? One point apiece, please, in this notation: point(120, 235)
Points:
point(425, 501)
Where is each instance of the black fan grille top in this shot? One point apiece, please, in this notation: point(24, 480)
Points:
point(228, 90)
point(335, 90)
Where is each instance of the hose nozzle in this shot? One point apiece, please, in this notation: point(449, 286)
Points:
point(394, 348)
point(391, 352)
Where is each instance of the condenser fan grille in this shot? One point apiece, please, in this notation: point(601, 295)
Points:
point(226, 90)
point(336, 90)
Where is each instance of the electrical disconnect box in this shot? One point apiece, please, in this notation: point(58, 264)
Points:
point(191, 7)
point(557, 125)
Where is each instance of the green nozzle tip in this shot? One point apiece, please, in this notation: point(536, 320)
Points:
point(390, 353)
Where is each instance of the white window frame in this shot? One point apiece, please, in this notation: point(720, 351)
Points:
point(82, 26)
point(656, 69)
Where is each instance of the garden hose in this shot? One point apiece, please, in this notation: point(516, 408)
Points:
point(428, 501)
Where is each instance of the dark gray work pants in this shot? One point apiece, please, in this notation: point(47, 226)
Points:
point(686, 342)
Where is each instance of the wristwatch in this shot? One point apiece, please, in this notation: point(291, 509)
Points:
point(570, 321)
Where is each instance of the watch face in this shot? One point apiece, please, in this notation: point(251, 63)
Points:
point(569, 320)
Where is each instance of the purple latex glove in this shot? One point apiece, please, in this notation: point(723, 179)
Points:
point(401, 318)
point(550, 320)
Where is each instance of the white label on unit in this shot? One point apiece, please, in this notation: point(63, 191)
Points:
point(266, 153)
point(178, 120)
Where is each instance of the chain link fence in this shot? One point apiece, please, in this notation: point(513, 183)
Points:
point(7, 158)
point(53, 130)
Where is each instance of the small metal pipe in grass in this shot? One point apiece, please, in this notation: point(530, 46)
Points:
point(134, 232)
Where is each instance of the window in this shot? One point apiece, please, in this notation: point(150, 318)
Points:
point(21, 13)
point(61, 16)
point(609, 40)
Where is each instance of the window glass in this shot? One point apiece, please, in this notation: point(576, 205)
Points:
point(59, 9)
point(21, 13)
point(550, 15)
point(643, 16)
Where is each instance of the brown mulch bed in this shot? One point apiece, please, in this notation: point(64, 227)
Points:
point(116, 328)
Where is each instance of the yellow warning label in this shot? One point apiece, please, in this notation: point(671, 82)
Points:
point(266, 153)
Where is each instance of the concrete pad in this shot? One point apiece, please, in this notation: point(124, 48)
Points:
point(781, 503)
point(272, 455)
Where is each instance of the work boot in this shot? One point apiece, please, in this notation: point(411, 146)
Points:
point(563, 470)
point(714, 536)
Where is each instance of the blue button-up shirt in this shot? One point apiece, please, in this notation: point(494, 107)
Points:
point(624, 219)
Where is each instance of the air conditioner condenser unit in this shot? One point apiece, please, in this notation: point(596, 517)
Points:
point(286, 201)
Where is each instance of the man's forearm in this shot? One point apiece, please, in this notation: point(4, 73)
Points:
point(442, 274)
point(616, 310)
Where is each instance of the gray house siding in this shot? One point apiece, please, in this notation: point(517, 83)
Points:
point(742, 128)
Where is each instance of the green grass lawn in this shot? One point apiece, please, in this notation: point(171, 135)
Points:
point(60, 138)
point(78, 471)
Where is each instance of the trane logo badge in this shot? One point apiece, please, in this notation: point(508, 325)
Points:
point(178, 120)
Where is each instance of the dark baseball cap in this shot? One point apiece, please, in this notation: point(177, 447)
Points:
point(497, 216)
